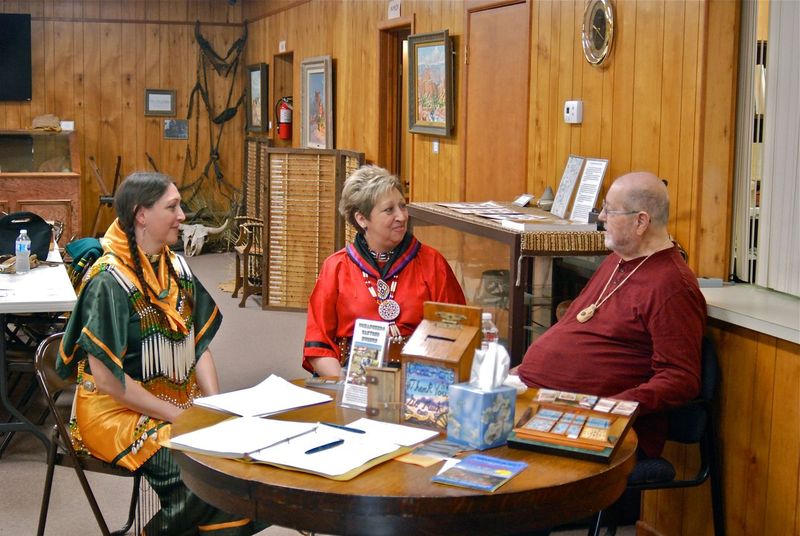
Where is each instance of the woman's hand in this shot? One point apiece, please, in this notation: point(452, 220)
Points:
point(131, 395)
point(326, 366)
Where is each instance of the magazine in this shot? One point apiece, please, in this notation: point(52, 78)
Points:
point(478, 471)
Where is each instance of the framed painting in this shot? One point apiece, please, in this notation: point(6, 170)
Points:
point(430, 83)
point(257, 98)
point(159, 102)
point(176, 129)
point(316, 125)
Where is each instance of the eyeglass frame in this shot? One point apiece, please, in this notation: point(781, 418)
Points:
point(604, 209)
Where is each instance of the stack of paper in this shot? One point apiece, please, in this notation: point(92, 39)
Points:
point(271, 396)
point(332, 451)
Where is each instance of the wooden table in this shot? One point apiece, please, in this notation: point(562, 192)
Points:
point(522, 247)
point(398, 498)
point(45, 289)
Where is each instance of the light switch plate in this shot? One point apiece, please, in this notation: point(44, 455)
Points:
point(573, 112)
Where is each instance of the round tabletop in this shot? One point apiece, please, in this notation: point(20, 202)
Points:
point(399, 498)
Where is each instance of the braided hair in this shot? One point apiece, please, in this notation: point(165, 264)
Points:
point(141, 190)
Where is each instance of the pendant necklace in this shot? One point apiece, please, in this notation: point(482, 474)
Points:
point(388, 309)
point(586, 314)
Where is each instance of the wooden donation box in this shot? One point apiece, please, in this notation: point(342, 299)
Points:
point(438, 355)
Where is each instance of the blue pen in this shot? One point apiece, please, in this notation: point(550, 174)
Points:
point(326, 446)
point(345, 428)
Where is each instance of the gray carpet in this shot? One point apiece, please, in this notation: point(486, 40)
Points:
point(251, 344)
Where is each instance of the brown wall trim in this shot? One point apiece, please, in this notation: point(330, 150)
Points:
point(137, 21)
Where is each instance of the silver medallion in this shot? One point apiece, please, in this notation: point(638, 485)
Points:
point(383, 289)
point(389, 310)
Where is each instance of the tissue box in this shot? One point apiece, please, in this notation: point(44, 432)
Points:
point(480, 419)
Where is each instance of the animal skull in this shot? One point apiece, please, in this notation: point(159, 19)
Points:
point(194, 236)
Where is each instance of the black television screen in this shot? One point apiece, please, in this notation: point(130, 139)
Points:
point(15, 57)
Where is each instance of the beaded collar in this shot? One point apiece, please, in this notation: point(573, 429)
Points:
point(381, 257)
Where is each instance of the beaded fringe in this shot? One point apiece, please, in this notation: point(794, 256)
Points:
point(172, 357)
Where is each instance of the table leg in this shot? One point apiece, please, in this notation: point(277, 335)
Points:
point(21, 424)
point(516, 306)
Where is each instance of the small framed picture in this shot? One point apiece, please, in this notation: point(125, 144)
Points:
point(257, 109)
point(523, 200)
point(176, 129)
point(159, 102)
point(316, 82)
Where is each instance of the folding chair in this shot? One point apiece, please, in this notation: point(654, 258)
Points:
point(62, 451)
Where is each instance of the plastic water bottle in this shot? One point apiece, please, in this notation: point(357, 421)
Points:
point(22, 248)
point(488, 330)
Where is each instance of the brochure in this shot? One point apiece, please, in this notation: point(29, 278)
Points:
point(370, 340)
point(478, 471)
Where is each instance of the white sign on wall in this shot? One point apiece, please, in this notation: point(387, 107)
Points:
point(394, 9)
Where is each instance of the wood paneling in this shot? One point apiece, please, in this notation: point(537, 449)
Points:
point(758, 418)
point(92, 61)
point(663, 102)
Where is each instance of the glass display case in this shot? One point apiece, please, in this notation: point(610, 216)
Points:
point(40, 173)
point(26, 152)
point(503, 271)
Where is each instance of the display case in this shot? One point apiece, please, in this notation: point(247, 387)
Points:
point(502, 271)
point(40, 172)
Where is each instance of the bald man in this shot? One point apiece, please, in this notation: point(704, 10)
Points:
point(635, 331)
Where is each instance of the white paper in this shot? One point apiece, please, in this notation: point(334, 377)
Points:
point(240, 436)
point(396, 433)
point(591, 179)
point(356, 450)
point(271, 396)
point(568, 179)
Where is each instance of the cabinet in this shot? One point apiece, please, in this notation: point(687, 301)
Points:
point(40, 172)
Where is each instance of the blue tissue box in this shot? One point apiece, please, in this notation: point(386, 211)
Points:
point(480, 419)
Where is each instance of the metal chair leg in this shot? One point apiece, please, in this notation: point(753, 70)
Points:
point(48, 481)
point(595, 524)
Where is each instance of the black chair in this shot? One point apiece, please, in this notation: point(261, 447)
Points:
point(61, 449)
point(689, 424)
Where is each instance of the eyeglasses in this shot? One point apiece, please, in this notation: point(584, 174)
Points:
point(617, 212)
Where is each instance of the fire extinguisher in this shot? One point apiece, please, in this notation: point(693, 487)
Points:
point(283, 112)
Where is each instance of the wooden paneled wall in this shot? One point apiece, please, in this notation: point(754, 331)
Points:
point(664, 102)
point(758, 418)
point(348, 32)
point(93, 59)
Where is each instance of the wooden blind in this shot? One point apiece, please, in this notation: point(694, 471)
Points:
point(304, 226)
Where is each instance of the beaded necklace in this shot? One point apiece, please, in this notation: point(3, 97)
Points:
point(388, 308)
point(381, 257)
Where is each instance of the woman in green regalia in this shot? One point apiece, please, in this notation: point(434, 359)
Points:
point(139, 337)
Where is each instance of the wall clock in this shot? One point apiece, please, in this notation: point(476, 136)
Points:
point(597, 34)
